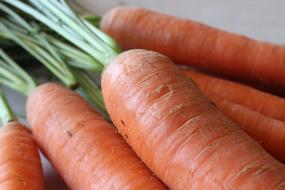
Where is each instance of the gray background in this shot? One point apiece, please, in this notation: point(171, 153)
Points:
point(260, 19)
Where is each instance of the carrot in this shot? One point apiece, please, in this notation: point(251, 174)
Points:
point(244, 105)
point(178, 132)
point(253, 110)
point(191, 43)
point(83, 147)
point(270, 133)
point(265, 103)
point(20, 165)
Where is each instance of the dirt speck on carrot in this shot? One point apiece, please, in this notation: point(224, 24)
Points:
point(69, 133)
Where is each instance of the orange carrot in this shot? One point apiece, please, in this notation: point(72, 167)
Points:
point(265, 103)
point(20, 165)
point(238, 102)
point(178, 132)
point(270, 133)
point(251, 109)
point(188, 42)
point(83, 147)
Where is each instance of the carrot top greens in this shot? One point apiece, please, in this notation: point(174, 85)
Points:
point(13, 76)
point(55, 46)
point(57, 15)
point(29, 35)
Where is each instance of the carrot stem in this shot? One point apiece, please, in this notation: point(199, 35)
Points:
point(29, 36)
point(14, 76)
point(54, 54)
point(6, 113)
point(83, 60)
point(59, 17)
point(107, 39)
point(93, 20)
point(94, 52)
point(91, 89)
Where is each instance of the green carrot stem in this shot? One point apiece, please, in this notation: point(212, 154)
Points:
point(36, 44)
point(91, 89)
point(107, 39)
point(58, 27)
point(95, 47)
point(6, 113)
point(14, 76)
point(93, 20)
point(59, 17)
point(89, 62)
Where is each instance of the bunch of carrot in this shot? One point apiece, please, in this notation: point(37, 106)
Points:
point(81, 128)
point(165, 118)
point(74, 137)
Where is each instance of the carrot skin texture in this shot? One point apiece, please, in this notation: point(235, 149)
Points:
point(20, 165)
point(83, 147)
point(192, 43)
point(270, 133)
point(178, 132)
point(265, 103)
point(248, 108)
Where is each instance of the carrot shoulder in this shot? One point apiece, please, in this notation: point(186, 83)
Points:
point(20, 165)
point(265, 103)
point(188, 42)
point(83, 147)
point(178, 132)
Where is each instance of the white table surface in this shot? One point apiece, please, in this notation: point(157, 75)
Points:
point(261, 19)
